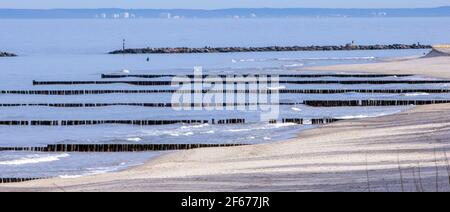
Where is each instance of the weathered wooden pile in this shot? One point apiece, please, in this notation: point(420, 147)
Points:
point(371, 103)
point(114, 147)
point(98, 122)
point(296, 82)
point(282, 91)
point(17, 180)
point(152, 76)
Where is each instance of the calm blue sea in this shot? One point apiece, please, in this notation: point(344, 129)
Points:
point(76, 50)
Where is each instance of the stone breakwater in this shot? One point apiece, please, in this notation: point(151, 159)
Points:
point(6, 54)
point(185, 50)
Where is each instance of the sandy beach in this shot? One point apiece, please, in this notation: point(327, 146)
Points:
point(409, 151)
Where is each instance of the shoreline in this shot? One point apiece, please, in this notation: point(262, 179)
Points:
point(335, 157)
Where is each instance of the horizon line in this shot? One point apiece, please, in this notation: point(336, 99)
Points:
point(231, 8)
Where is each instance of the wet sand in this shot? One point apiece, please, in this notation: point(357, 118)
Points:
point(403, 152)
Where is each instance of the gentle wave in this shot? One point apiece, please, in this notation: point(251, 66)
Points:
point(296, 65)
point(277, 88)
point(326, 58)
point(361, 116)
point(415, 94)
point(34, 159)
point(303, 59)
point(134, 139)
point(296, 109)
point(265, 127)
point(96, 171)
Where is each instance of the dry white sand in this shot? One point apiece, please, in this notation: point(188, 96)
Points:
point(407, 151)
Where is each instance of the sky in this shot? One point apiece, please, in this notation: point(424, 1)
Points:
point(217, 4)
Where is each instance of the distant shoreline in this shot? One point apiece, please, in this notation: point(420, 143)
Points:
point(7, 54)
point(186, 50)
point(239, 13)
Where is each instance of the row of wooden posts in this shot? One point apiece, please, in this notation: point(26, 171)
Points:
point(99, 122)
point(298, 82)
point(114, 147)
point(154, 105)
point(312, 121)
point(369, 103)
point(152, 76)
point(283, 91)
point(152, 122)
point(17, 180)
point(313, 103)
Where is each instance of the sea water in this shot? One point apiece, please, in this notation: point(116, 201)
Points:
point(76, 50)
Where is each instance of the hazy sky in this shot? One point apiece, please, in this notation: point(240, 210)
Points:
point(214, 4)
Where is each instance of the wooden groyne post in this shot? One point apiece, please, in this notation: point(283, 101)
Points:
point(370, 103)
point(115, 147)
point(297, 82)
point(153, 76)
point(283, 91)
point(17, 180)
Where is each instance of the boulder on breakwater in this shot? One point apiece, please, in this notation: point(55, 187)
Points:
point(186, 50)
point(7, 54)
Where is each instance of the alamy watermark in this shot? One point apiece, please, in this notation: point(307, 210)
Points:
point(231, 93)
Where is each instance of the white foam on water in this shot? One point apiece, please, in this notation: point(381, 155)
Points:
point(361, 116)
point(294, 65)
point(296, 109)
point(189, 134)
point(34, 159)
point(247, 60)
point(265, 127)
point(95, 171)
point(415, 94)
point(277, 88)
point(240, 130)
point(280, 125)
point(70, 176)
point(183, 130)
point(134, 139)
point(326, 58)
point(195, 126)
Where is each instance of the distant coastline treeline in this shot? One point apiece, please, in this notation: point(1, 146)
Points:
point(348, 47)
point(222, 13)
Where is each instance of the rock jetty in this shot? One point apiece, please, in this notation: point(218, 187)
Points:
point(6, 54)
point(186, 50)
